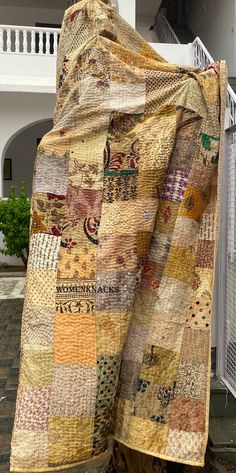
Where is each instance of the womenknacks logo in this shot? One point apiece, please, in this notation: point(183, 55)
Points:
point(86, 289)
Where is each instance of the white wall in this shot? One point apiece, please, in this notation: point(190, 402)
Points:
point(18, 111)
point(22, 152)
point(179, 54)
point(29, 16)
point(127, 9)
point(28, 73)
point(214, 21)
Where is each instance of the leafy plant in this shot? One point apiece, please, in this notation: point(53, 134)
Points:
point(14, 223)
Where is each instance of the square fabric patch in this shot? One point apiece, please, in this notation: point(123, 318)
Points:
point(73, 391)
point(115, 291)
point(195, 346)
point(127, 97)
point(83, 203)
point(41, 287)
point(165, 332)
point(156, 140)
point(200, 175)
point(75, 296)
point(188, 414)
point(149, 183)
point(193, 204)
point(36, 367)
point(174, 185)
point(44, 251)
point(153, 401)
point(33, 409)
point(76, 261)
point(75, 339)
point(51, 175)
point(205, 254)
point(29, 448)
point(117, 253)
point(159, 364)
point(120, 187)
point(191, 381)
point(143, 243)
point(47, 215)
point(166, 216)
point(123, 408)
point(129, 373)
point(185, 232)
point(207, 227)
point(199, 312)
point(119, 218)
point(186, 445)
point(180, 264)
point(37, 326)
point(70, 440)
point(156, 439)
point(135, 343)
point(108, 328)
point(173, 298)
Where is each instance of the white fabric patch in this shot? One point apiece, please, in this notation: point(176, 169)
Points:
point(127, 98)
point(44, 251)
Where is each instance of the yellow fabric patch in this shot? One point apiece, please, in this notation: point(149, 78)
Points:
point(180, 264)
point(156, 439)
point(194, 203)
point(108, 333)
point(78, 262)
point(70, 440)
point(36, 367)
point(41, 286)
point(159, 365)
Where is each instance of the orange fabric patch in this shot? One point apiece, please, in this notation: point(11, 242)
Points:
point(75, 339)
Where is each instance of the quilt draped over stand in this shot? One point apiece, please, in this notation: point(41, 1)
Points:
point(116, 330)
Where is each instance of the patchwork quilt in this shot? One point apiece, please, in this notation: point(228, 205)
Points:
point(116, 329)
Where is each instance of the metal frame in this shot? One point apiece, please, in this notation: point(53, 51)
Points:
point(221, 274)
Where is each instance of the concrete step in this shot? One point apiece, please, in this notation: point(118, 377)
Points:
point(223, 403)
point(222, 432)
point(222, 425)
point(223, 460)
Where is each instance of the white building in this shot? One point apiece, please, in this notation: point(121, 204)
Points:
point(29, 33)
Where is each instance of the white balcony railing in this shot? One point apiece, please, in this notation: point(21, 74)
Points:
point(163, 30)
point(202, 59)
point(28, 40)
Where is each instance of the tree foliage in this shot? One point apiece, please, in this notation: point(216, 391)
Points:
point(14, 223)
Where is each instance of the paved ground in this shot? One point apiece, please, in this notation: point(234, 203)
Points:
point(10, 322)
point(12, 288)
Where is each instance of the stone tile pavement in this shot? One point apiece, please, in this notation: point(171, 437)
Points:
point(10, 324)
point(12, 288)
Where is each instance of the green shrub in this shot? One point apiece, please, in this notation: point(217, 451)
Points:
point(14, 223)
